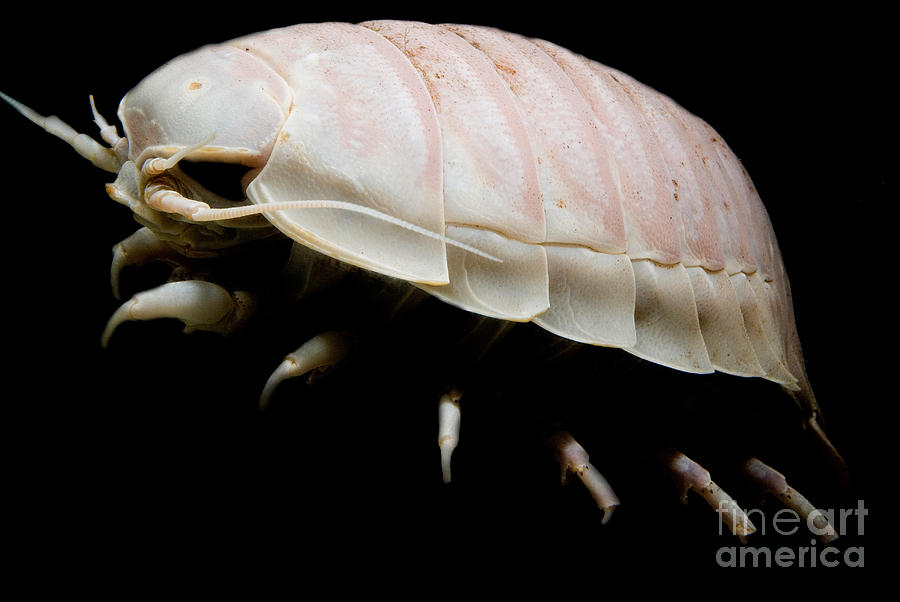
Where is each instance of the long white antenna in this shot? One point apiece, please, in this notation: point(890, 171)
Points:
point(208, 214)
point(163, 198)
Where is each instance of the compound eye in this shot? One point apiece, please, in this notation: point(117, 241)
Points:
point(226, 180)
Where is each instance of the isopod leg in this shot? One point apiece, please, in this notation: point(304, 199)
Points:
point(200, 305)
point(771, 481)
point(448, 428)
point(688, 475)
point(140, 248)
point(318, 353)
point(573, 458)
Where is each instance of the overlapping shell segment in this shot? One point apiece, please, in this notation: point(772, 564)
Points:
point(620, 218)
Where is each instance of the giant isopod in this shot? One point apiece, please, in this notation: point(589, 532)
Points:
point(457, 213)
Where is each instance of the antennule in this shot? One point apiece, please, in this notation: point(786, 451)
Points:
point(158, 165)
point(118, 144)
point(84, 145)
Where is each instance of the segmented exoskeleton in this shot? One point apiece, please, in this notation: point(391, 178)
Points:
point(506, 176)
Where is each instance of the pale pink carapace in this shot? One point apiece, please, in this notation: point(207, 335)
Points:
point(506, 176)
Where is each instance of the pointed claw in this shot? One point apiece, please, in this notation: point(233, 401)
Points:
point(448, 428)
point(319, 352)
point(772, 481)
point(573, 458)
point(689, 475)
point(200, 305)
point(141, 247)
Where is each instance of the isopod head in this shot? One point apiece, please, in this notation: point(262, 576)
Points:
point(318, 113)
point(217, 94)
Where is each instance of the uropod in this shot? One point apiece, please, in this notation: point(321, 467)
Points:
point(504, 176)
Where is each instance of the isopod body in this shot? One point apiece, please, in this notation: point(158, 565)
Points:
point(606, 213)
point(503, 175)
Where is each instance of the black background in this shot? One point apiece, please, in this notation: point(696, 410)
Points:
point(148, 458)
